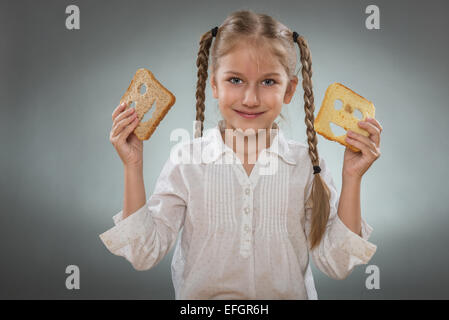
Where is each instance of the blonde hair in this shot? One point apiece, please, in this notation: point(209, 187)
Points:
point(267, 31)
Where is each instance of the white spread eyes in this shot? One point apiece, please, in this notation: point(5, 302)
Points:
point(273, 82)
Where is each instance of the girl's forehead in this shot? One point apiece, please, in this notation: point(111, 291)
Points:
point(249, 57)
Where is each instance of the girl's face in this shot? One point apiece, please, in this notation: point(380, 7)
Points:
point(251, 80)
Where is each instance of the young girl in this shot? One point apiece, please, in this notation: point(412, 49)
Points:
point(246, 235)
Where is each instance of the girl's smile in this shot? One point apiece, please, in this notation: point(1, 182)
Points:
point(249, 115)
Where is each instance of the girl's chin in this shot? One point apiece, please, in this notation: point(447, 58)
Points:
point(247, 127)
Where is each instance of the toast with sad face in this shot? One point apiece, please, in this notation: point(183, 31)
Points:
point(148, 94)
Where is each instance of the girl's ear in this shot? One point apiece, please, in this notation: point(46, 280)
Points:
point(213, 85)
point(291, 88)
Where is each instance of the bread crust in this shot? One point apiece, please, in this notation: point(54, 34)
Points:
point(343, 117)
point(156, 96)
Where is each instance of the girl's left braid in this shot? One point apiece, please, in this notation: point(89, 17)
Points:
point(202, 63)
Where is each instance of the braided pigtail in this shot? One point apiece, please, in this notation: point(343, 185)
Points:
point(320, 192)
point(202, 63)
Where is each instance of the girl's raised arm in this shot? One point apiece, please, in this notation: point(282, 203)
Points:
point(148, 233)
point(340, 249)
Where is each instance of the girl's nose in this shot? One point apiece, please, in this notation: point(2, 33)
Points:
point(251, 97)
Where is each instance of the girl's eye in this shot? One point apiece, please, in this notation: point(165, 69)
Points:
point(271, 80)
point(230, 79)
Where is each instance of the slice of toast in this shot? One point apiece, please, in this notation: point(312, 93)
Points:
point(345, 116)
point(144, 90)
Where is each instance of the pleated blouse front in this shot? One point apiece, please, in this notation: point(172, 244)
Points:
point(240, 236)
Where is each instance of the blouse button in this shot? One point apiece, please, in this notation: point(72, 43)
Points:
point(246, 210)
point(246, 228)
point(247, 191)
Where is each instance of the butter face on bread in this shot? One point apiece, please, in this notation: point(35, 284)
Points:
point(345, 116)
point(144, 91)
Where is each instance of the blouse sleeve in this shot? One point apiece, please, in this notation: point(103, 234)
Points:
point(340, 249)
point(147, 235)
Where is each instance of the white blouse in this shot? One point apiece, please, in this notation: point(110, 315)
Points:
point(242, 237)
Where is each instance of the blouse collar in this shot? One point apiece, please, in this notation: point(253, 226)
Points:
point(216, 148)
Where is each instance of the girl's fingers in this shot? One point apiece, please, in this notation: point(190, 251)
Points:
point(129, 128)
point(363, 143)
point(367, 142)
point(372, 129)
point(118, 128)
point(355, 143)
point(376, 123)
point(123, 115)
point(117, 110)
point(362, 146)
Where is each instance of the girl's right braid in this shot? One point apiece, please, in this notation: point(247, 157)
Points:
point(202, 63)
point(309, 106)
point(320, 192)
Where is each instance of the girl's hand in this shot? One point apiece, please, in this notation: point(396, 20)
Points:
point(355, 164)
point(128, 146)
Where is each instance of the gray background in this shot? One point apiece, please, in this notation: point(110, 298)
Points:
point(62, 181)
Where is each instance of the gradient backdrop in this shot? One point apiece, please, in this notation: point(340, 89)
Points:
point(62, 181)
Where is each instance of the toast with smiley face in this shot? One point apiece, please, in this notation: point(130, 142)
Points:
point(343, 117)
